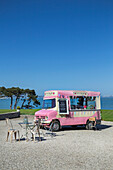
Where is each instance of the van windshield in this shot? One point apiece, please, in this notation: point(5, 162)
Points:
point(49, 103)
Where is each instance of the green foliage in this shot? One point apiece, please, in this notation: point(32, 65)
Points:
point(26, 95)
point(8, 92)
point(31, 96)
point(22, 111)
point(28, 111)
point(107, 115)
point(17, 92)
point(6, 111)
point(18, 107)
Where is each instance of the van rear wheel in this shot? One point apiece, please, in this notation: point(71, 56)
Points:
point(55, 126)
point(89, 126)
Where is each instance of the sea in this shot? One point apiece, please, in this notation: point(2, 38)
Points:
point(106, 103)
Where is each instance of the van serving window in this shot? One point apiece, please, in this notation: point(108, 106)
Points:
point(82, 102)
point(91, 102)
point(77, 102)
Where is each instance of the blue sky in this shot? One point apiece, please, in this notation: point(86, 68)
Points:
point(57, 44)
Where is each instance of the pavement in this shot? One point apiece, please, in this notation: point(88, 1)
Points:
point(69, 149)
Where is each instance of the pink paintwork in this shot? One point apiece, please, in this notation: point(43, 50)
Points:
point(74, 117)
point(44, 112)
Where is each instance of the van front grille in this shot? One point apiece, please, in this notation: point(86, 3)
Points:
point(42, 117)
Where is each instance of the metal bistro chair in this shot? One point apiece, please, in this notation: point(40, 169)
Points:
point(11, 131)
point(48, 130)
point(37, 130)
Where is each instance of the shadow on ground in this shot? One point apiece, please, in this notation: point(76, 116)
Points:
point(36, 139)
point(102, 127)
point(46, 135)
point(99, 127)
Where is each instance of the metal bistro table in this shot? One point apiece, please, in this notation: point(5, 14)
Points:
point(29, 126)
point(26, 128)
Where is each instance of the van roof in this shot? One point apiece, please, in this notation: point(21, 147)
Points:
point(56, 93)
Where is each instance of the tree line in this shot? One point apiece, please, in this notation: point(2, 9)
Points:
point(26, 95)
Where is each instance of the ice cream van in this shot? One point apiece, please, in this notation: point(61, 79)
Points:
point(70, 107)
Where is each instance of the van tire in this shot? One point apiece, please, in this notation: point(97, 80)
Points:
point(89, 126)
point(55, 126)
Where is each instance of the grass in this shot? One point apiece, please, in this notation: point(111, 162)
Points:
point(22, 111)
point(107, 115)
point(6, 111)
point(28, 111)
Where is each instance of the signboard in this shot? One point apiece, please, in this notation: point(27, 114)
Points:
point(63, 106)
point(80, 93)
point(50, 93)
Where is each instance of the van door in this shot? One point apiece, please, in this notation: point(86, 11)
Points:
point(63, 106)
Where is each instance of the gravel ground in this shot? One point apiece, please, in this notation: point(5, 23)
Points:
point(71, 148)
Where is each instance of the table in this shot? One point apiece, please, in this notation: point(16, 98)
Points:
point(27, 126)
point(31, 127)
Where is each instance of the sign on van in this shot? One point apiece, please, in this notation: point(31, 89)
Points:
point(80, 93)
point(51, 93)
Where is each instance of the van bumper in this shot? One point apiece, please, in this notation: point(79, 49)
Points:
point(45, 121)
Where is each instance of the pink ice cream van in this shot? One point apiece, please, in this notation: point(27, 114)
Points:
point(70, 107)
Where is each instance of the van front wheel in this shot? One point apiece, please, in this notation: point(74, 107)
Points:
point(55, 126)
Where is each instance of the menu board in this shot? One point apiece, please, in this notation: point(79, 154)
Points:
point(62, 106)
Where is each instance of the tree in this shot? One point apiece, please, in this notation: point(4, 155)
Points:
point(26, 95)
point(1, 92)
point(17, 92)
point(31, 96)
point(8, 92)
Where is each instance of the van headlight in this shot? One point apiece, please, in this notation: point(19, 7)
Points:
point(46, 118)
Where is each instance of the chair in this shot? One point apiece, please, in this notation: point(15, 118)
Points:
point(48, 131)
point(34, 131)
point(11, 131)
